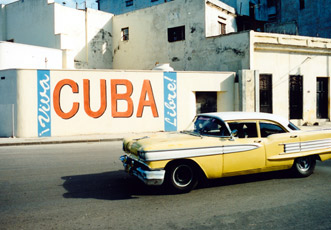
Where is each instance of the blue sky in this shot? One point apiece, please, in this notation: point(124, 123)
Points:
point(69, 3)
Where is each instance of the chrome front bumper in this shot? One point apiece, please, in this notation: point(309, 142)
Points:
point(138, 169)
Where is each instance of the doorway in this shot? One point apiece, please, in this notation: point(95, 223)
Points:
point(322, 97)
point(296, 96)
point(266, 93)
point(206, 102)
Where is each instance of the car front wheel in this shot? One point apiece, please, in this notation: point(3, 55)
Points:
point(304, 166)
point(182, 177)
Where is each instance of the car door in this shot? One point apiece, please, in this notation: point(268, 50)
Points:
point(246, 152)
point(278, 141)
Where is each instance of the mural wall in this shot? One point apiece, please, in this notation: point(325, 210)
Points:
point(63, 102)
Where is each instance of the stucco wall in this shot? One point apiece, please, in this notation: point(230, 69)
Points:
point(79, 29)
point(312, 20)
point(8, 102)
point(283, 56)
point(3, 24)
point(73, 102)
point(84, 36)
point(149, 44)
point(119, 7)
point(13, 55)
point(31, 22)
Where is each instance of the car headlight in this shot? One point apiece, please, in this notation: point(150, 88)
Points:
point(141, 154)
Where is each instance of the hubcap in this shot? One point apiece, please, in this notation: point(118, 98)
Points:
point(182, 175)
point(304, 164)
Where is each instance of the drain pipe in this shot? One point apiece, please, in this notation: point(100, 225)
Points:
point(86, 35)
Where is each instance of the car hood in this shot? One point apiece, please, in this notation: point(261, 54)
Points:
point(167, 141)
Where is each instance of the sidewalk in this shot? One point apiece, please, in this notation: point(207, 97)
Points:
point(64, 140)
point(93, 138)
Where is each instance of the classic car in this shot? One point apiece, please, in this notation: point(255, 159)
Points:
point(225, 144)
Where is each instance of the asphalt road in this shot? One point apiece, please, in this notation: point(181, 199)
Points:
point(83, 186)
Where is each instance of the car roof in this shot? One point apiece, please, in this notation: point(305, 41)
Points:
point(232, 116)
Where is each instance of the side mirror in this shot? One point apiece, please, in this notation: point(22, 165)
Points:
point(234, 132)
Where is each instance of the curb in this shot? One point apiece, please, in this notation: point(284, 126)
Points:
point(49, 142)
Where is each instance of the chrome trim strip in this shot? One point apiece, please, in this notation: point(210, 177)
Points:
point(239, 148)
point(197, 152)
point(307, 146)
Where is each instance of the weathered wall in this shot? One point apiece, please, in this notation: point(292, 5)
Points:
point(119, 7)
point(86, 36)
point(149, 44)
point(313, 20)
point(73, 102)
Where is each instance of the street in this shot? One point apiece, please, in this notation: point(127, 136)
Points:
point(83, 186)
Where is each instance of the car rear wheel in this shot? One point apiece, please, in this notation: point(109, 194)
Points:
point(304, 166)
point(182, 177)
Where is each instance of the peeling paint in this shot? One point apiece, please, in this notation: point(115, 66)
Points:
point(238, 52)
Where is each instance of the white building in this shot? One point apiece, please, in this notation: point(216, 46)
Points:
point(84, 37)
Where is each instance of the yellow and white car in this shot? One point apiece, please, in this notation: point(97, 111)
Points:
point(225, 144)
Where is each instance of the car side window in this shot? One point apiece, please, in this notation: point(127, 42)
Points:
point(244, 129)
point(268, 129)
point(210, 127)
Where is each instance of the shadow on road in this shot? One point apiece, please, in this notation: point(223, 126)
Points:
point(117, 185)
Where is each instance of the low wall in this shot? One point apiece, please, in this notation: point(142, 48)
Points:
point(14, 55)
point(81, 102)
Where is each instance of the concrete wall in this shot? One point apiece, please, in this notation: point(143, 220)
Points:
point(8, 102)
point(64, 102)
point(31, 22)
point(13, 55)
point(313, 20)
point(149, 44)
point(119, 7)
point(3, 23)
point(84, 36)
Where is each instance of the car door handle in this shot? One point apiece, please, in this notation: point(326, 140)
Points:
point(258, 141)
point(294, 136)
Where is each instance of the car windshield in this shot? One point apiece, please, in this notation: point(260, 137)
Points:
point(208, 126)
